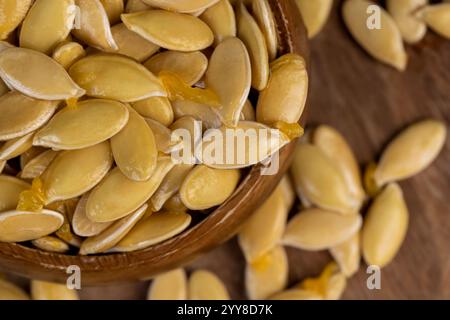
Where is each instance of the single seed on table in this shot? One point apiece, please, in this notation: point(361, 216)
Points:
point(384, 44)
point(189, 66)
point(317, 229)
point(47, 24)
point(102, 76)
point(253, 38)
point(67, 53)
point(131, 44)
point(82, 225)
point(153, 229)
point(51, 244)
point(175, 204)
point(265, 228)
point(105, 204)
point(9, 291)
point(10, 189)
point(206, 187)
point(315, 14)
point(185, 6)
point(19, 226)
point(318, 179)
point(170, 285)
point(330, 284)
point(113, 8)
point(413, 150)
point(205, 285)
point(165, 143)
point(136, 6)
point(170, 30)
point(12, 13)
point(267, 275)
point(437, 17)
point(41, 290)
point(385, 227)
point(89, 123)
point(230, 57)
point(221, 19)
point(156, 108)
point(209, 116)
point(248, 112)
point(21, 115)
point(15, 147)
point(348, 255)
point(296, 294)
point(134, 148)
point(113, 234)
point(37, 75)
point(411, 27)
point(94, 28)
point(36, 166)
point(266, 21)
point(284, 97)
point(334, 145)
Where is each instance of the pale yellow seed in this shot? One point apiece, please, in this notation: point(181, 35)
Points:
point(9, 291)
point(385, 43)
point(51, 244)
point(67, 53)
point(170, 285)
point(315, 14)
point(209, 116)
point(267, 275)
point(136, 6)
point(186, 6)
point(113, 8)
point(10, 189)
point(15, 147)
point(221, 19)
point(12, 12)
point(174, 203)
point(190, 131)
point(156, 108)
point(81, 224)
point(165, 143)
point(248, 112)
point(41, 290)
point(348, 255)
point(411, 151)
point(385, 227)
point(330, 284)
point(288, 191)
point(317, 229)
point(205, 285)
point(266, 21)
point(36, 166)
point(403, 12)
point(296, 294)
point(437, 17)
point(30, 154)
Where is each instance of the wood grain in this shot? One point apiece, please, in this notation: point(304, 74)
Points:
point(369, 103)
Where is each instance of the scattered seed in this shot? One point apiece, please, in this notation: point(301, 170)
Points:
point(171, 285)
point(204, 285)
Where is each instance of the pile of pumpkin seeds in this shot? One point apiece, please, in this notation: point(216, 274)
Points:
point(91, 92)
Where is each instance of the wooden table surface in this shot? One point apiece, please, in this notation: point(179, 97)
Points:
point(369, 103)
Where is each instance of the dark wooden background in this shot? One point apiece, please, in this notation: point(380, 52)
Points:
point(369, 103)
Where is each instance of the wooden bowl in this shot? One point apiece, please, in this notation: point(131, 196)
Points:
point(213, 230)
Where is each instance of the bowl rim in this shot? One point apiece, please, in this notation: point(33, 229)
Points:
point(218, 227)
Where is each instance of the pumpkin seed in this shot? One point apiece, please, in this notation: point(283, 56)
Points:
point(267, 275)
point(266, 21)
point(320, 181)
point(81, 224)
point(47, 24)
point(88, 123)
point(16, 147)
point(170, 30)
point(3, 88)
point(94, 28)
point(263, 142)
point(385, 227)
point(187, 6)
point(334, 145)
point(296, 294)
point(287, 191)
point(75, 172)
point(41, 290)
point(51, 244)
point(67, 53)
point(36, 166)
point(194, 130)
point(189, 66)
point(209, 117)
point(330, 284)
point(265, 228)
point(19, 226)
point(21, 115)
point(384, 44)
point(317, 229)
point(221, 19)
point(205, 285)
point(253, 38)
point(170, 186)
point(10, 189)
point(248, 112)
point(411, 28)
point(36, 75)
point(411, 151)
point(102, 76)
point(113, 8)
point(153, 229)
point(206, 187)
point(156, 108)
point(163, 137)
point(136, 6)
point(315, 14)
point(134, 148)
point(170, 285)
point(105, 203)
point(175, 204)
point(12, 12)
point(65, 233)
point(230, 57)
point(131, 44)
point(284, 97)
point(113, 234)
point(348, 255)
point(30, 154)
point(9, 291)
point(437, 17)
